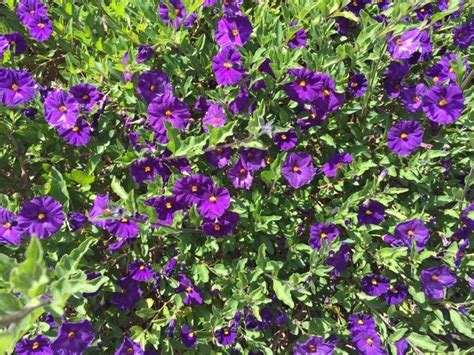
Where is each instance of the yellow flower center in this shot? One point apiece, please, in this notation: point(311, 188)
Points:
point(35, 345)
point(312, 347)
point(394, 290)
point(415, 99)
point(326, 92)
point(434, 277)
point(168, 205)
point(403, 135)
point(130, 350)
point(40, 25)
point(217, 227)
point(360, 322)
point(368, 213)
point(422, 10)
point(354, 84)
point(152, 87)
point(191, 335)
point(242, 171)
point(370, 342)
point(41, 216)
point(303, 83)
point(219, 150)
point(62, 108)
point(75, 129)
point(354, 3)
point(176, 11)
point(124, 220)
point(85, 97)
point(235, 32)
point(399, 42)
point(142, 267)
point(442, 102)
point(226, 331)
point(147, 169)
point(410, 233)
point(212, 198)
point(435, 79)
point(15, 87)
point(194, 188)
point(6, 225)
point(323, 235)
point(284, 137)
point(296, 169)
point(71, 335)
point(227, 65)
point(451, 70)
point(168, 113)
point(373, 282)
point(189, 289)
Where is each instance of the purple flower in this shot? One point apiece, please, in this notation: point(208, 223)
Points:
point(355, 6)
point(357, 85)
point(17, 87)
point(139, 271)
point(125, 228)
point(28, 9)
point(165, 208)
point(443, 105)
point(231, 7)
point(41, 216)
point(435, 280)
point(394, 74)
point(233, 31)
point(286, 140)
point(168, 107)
point(78, 135)
point(321, 234)
point(375, 285)
point(145, 169)
point(305, 87)
point(371, 212)
point(298, 39)
point(77, 220)
point(402, 346)
point(227, 67)
point(342, 25)
point(396, 294)
point(226, 335)
point(383, 4)
point(252, 159)
point(298, 169)
point(407, 44)
point(214, 117)
point(424, 12)
point(169, 267)
point(38, 345)
point(193, 294)
point(214, 202)
point(129, 296)
point(463, 36)
point(152, 83)
point(467, 216)
point(242, 102)
point(314, 345)
point(10, 233)
point(86, 95)
point(14, 42)
point(219, 157)
point(73, 338)
point(240, 177)
point(191, 189)
point(188, 337)
point(335, 162)
point(412, 97)
point(405, 137)
point(339, 260)
point(171, 326)
point(145, 52)
point(100, 209)
point(368, 343)
point(129, 347)
point(222, 226)
point(360, 322)
point(202, 104)
point(181, 16)
point(61, 109)
point(40, 27)
point(410, 230)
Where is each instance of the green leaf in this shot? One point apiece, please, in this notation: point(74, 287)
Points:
point(58, 188)
point(29, 277)
point(261, 256)
point(426, 343)
point(220, 134)
point(283, 293)
point(118, 189)
point(463, 325)
point(173, 137)
point(68, 264)
point(80, 177)
point(192, 146)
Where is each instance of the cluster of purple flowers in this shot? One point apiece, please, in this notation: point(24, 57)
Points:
point(34, 15)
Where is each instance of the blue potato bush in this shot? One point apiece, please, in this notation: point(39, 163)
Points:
point(225, 177)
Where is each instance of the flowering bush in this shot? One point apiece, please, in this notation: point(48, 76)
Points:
point(234, 176)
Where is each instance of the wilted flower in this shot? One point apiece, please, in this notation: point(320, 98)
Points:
point(298, 39)
point(76, 220)
point(402, 346)
point(467, 216)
